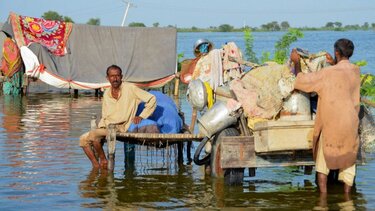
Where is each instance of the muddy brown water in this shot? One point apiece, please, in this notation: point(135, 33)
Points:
point(43, 168)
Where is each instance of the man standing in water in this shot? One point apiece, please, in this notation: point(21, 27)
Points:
point(119, 107)
point(336, 125)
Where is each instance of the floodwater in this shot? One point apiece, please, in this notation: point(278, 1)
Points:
point(43, 168)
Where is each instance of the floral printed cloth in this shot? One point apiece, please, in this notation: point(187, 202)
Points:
point(51, 34)
point(11, 61)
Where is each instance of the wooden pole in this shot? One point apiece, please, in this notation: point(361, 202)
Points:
point(176, 84)
point(111, 143)
point(93, 126)
point(25, 84)
point(75, 95)
point(191, 128)
point(93, 122)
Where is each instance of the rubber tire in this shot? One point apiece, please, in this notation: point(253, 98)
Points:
point(206, 158)
point(231, 176)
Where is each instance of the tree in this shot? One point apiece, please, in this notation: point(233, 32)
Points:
point(272, 26)
point(338, 24)
point(136, 24)
point(365, 26)
point(52, 15)
point(330, 25)
point(156, 24)
point(225, 28)
point(94, 21)
point(284, 25)
point(193, 28)
point(55, 16)
point(68, 19)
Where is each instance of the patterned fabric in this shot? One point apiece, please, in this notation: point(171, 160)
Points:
point(51, 34)
point(14, 85)
point(209, 69)
point(11, 61)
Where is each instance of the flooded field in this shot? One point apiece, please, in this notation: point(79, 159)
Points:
point(43, 168)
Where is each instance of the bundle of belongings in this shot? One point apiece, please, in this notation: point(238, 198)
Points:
point(165, 116)
point(212, 67)
point(261, 91)
point(264, 90)
point(215, 66)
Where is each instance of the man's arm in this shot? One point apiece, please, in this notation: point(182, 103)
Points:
point(148, 99)
point(295, 58)
point(102, 122)
point(309, 82)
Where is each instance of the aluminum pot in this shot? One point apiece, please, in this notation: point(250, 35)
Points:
point(200, 42)
point(216, 119)
point(196, 94)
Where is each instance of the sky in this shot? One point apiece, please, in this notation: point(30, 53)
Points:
point(201, 13)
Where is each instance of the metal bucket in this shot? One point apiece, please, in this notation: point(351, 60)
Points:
point(216, 119)
point(296, 107)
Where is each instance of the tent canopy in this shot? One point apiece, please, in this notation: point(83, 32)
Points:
point(144, 54)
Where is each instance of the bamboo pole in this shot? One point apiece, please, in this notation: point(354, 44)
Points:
point(111, 143)
point(176, 84)
point(191, 128)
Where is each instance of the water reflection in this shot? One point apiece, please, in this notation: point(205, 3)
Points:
point(42, 165)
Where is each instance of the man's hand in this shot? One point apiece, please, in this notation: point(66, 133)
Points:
point(294, 56)
point(137, 120)
point(329, 59)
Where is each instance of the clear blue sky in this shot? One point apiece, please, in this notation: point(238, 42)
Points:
point(201, 13)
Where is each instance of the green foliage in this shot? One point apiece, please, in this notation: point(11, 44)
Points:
point(52, 15)
point(249, 40)
point(94, 21)
point(272, 26)
point(156, 24)
point(225, 28)
point(68, 19)
point(284, 25)
point(282, 46)
point(179, 57)
point(368, 87)
point(266, 56)
point(55, 16)
point(136, 24)
point(361, 63)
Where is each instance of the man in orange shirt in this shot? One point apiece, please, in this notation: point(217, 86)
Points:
point(336, 125)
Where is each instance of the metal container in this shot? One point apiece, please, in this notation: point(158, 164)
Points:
point(198, 43)
point(196, 94)
point(216, 119)
point(296, 107)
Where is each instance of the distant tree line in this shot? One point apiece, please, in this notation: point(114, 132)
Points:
point(52, 15)
point(271, 26)
point(283, 26)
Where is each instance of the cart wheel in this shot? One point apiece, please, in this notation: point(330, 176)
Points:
point(206, 158)
point(231, 176)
